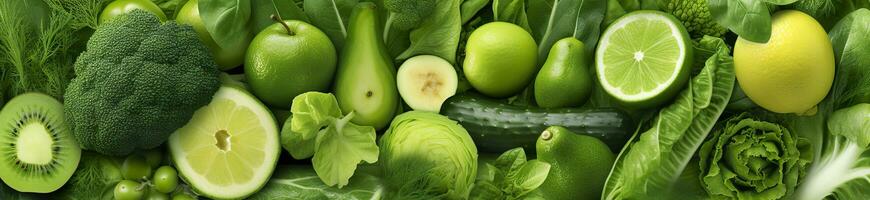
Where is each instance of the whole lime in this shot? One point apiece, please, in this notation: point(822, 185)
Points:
point(287, 59)
point(500, 59)
point(793, 71)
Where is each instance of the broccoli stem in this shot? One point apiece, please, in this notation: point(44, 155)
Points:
point(281, 21)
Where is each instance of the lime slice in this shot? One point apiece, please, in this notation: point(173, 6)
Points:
point(229, 148)
point(643, 58)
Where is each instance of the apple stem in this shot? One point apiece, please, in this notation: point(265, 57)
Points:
point(279, 20)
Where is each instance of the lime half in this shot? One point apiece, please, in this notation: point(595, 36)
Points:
point(229, 148)
point(643, 58)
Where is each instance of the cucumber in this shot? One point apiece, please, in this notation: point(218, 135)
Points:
point(496, 127)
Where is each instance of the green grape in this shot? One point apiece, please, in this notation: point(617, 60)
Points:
point(156, 195)
point(135, 168)
point(128, 190)
point(154, 157)
point(165, 179)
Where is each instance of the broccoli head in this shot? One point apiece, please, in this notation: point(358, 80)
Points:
point(695, 16)
point(137, 82)
point(407, 14)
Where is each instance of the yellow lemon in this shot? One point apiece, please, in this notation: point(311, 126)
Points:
point(793, 71)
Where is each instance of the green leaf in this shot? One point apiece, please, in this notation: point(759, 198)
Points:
point(511, 160)
point(293, 142)
point(331, 16)
point(313, 112)
point(301, 182)
point(530, 177)
point(511, 11)
point(438, 35)
point(227, 22)
point(779, 2)
point(340, 148)
point(469, 9)
point(750, 19)
point(485, 190)
point(552, 20)
point(262, 10)
point(653, 161)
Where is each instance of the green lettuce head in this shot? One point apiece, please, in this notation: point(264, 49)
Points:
point(752, 159)
point(428, 156)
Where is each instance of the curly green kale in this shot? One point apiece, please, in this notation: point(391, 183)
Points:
point(137, 82)
point(407, 14)
point(695, 16)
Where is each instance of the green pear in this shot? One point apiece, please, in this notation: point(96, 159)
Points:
point(366, 78)
point(564, 80)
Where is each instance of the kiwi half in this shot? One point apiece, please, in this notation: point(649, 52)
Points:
point(37, 152)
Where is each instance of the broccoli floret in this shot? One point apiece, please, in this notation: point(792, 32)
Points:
point(137, 82)
point(407, 14)
point(695, 16)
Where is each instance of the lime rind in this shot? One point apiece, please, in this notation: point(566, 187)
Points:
point(239, 165)
point(638, 62)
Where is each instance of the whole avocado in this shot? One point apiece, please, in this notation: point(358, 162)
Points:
point(137, 82)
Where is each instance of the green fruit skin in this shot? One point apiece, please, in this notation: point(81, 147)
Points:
point(128, 190)
point(366, 79)
point(120, 7)
point(564, 80)
point(165, 179)
point(135, 167)
point(497, 77)
point(576, 172)
point(280, 65)
point(155, 195)
point(225, 58)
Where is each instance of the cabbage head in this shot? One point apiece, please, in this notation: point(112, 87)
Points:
point(748, 158)
point(425, 155)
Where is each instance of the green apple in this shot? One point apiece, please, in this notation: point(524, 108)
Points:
point(289, 58)
point(225, 58)
point(119, 7)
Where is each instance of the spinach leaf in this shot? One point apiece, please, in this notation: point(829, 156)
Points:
point(510, 176)
point(300, 182)
point(511, 11)
point(331, 16)
point(557, 19)
point(654, 160)
point(227, 22)
point(748, 18)
point(438, 35)
point(469, 9)
point(318, 129)
point(233, 23)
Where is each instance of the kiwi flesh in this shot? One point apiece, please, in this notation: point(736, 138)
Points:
point(37, 151)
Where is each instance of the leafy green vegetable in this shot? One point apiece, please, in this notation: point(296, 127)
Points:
point(317, 128)
point(844, 169)
point(552, 20)
point(233, 23)
point(750, 19)
point(138, 74)
point(510, 177)
point(469, 9)
point(170, 7)
point(654, 159)
point(436, 33)
point(427, 156)
point(331, 16)
point(300, 182)
point(95, 178)
point(511, 11)
point(747, 158)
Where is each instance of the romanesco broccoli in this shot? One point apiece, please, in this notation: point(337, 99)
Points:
point(137, 82)
point(695, 16)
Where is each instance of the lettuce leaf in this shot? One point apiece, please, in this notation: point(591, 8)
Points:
point(654, 160)
point(318, 129)
point(300, 182)
point(747, 158)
